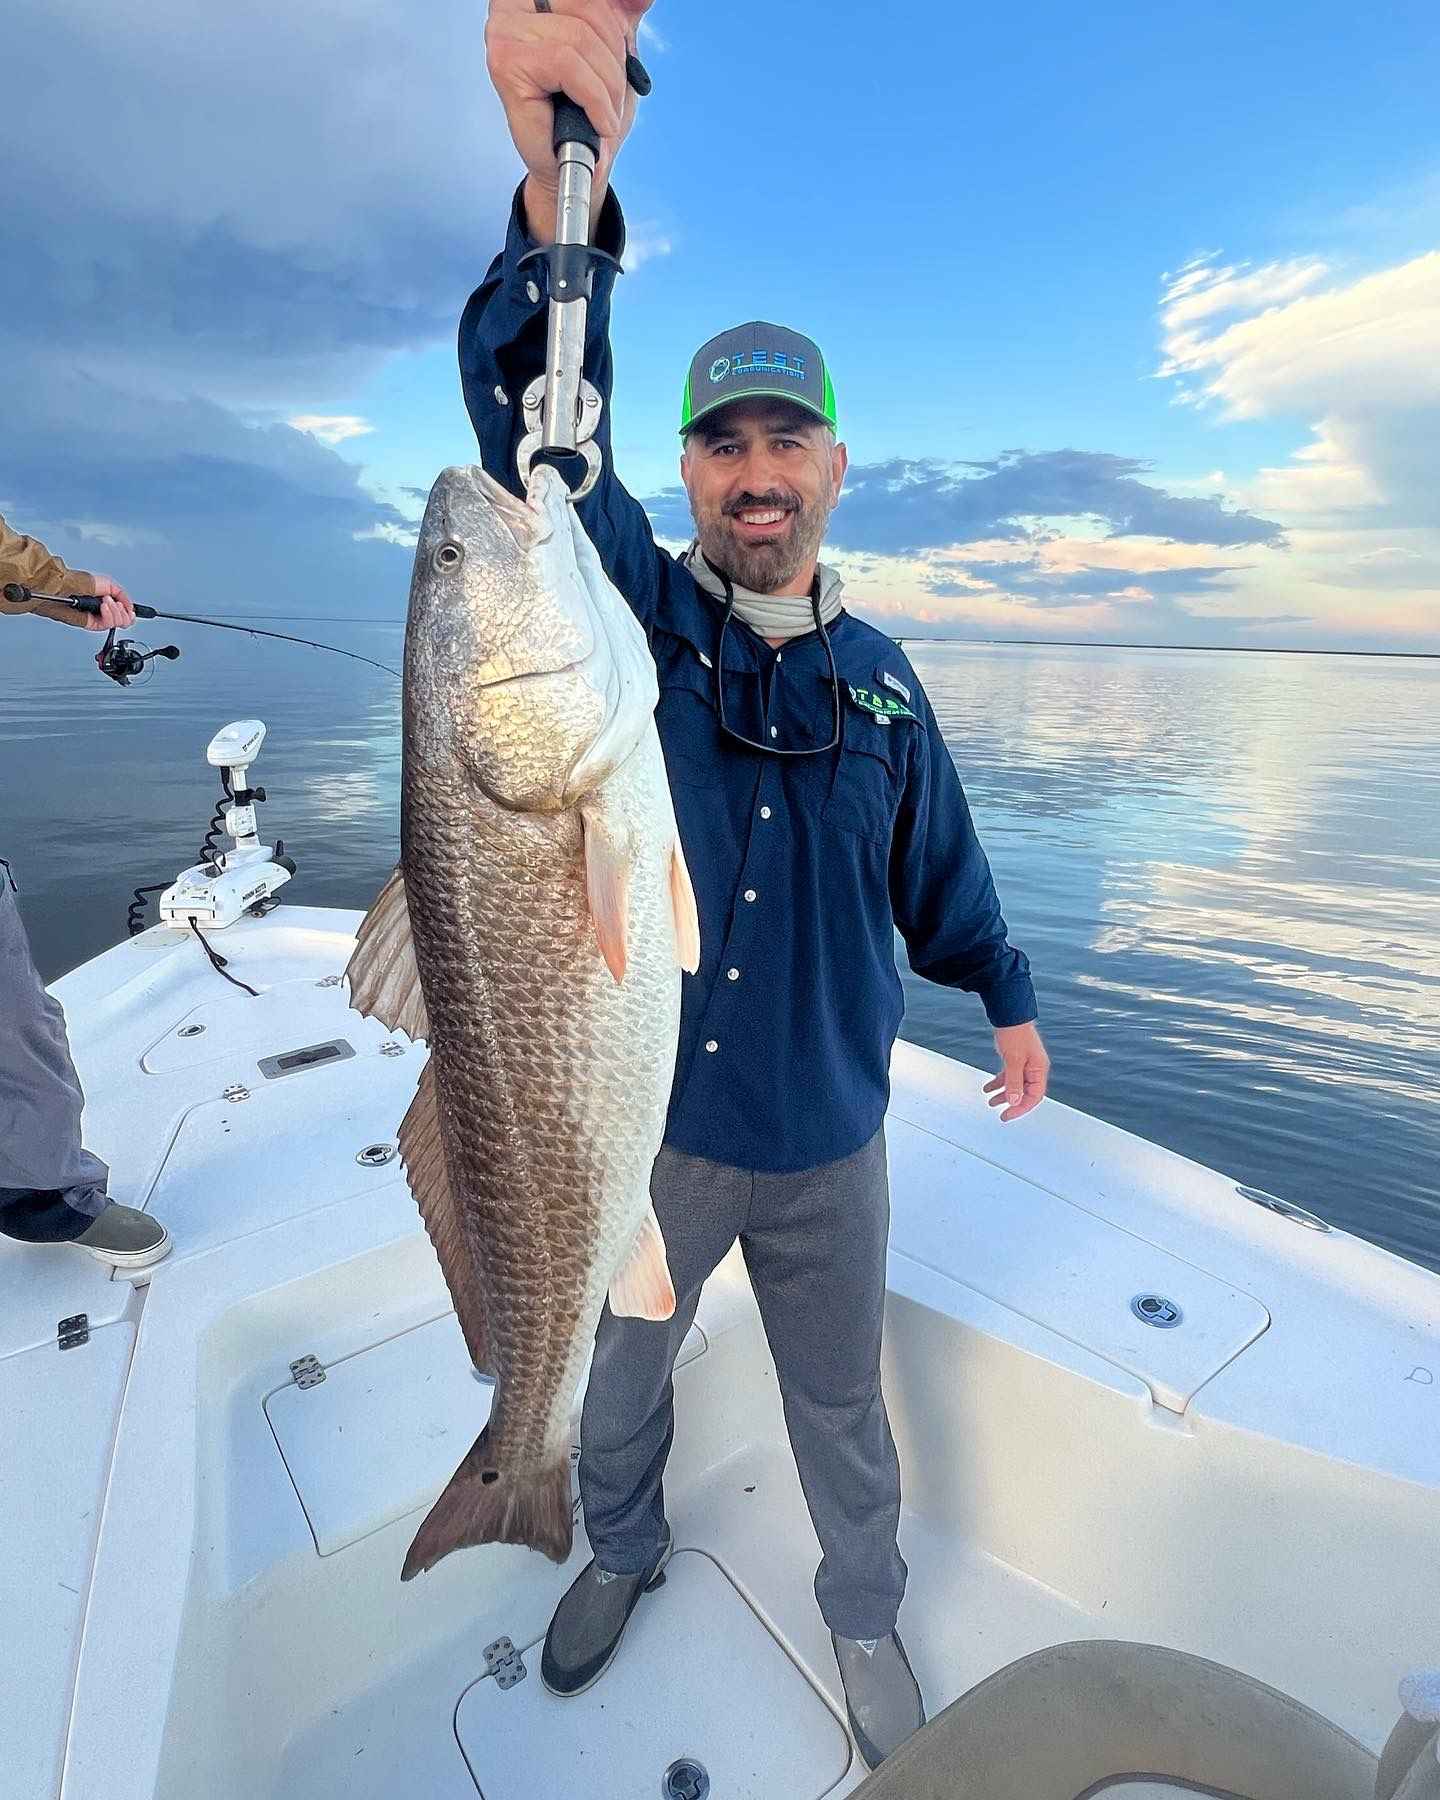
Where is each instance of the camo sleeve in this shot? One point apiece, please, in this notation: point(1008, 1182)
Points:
point(26, 560)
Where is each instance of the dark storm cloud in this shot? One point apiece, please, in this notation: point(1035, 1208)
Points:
point(252, 202)
point(904, 508)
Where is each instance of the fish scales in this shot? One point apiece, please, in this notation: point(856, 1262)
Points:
point(533, 934)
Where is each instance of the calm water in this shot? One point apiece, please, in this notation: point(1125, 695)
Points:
point(1225, 869)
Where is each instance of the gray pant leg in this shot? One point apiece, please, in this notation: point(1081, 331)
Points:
point(40, 1098)
point(628, 1421)
point(815, 1248)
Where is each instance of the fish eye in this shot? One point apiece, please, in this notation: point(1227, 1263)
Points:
point(448, 556)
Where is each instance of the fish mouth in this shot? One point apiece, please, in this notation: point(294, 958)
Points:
point(523, 518)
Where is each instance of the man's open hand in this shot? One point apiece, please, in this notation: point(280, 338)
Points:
point(1021, 1084)
point(574, 47)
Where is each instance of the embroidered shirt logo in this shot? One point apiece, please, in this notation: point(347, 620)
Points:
point(892, 681)
point(880, 705)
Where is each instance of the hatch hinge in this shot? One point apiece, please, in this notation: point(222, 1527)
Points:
point(505, 1662)
point(307, 1371)
point(72, 1332)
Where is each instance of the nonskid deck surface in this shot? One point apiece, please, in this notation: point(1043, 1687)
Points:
point(1258, 1485)
point(738, 1677)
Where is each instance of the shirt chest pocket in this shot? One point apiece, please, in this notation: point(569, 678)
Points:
point(689, 732)
point(868, 781)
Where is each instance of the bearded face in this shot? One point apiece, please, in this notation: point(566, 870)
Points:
point(763, 480)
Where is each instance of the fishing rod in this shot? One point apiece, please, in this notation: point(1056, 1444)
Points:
point(122, 660)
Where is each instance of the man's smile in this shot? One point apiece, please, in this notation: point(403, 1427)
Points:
point(761, 524)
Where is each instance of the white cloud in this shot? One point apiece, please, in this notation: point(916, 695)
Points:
point(1365, 344)
point(1356, 361)
point(1205, 291)
point(644, 243)
point(386, 531)
point(332, 428)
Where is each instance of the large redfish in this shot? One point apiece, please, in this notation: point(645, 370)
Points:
point(534, 935)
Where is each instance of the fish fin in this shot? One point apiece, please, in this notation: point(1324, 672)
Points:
point(642, 1288)
point(531, 1506)
point(687, 913)
point(422, 1146)
point(607, 883)
point(383, 976)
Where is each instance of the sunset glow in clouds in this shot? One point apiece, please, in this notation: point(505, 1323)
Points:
point(1070, 414)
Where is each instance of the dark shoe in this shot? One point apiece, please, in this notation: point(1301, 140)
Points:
point(126, 1238)
point(882, 1696)
point(590, 1621)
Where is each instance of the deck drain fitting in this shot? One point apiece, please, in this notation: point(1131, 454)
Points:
point(375, 1156)
point(1155, 1309)
point(685, 1780)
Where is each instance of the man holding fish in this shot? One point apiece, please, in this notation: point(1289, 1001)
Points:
point(818, 810)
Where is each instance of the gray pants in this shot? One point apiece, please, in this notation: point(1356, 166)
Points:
point(51, 1189)
point(814, 1243)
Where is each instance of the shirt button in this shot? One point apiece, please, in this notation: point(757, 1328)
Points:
point(712, 1046)
point(774, 731)
point(532, 292)
point(764, 812)
point(750, 894)
point(732, 974)
point(779, 656)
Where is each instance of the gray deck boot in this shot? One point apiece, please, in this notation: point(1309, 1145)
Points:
point(882, 1696)
point(126, 1238)
point(590, 1622)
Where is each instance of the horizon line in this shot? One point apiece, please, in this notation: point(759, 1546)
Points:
point(1115, 644)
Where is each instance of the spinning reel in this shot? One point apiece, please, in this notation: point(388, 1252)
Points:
point(125, 661)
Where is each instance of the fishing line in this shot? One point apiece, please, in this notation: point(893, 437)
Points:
point(122, 663)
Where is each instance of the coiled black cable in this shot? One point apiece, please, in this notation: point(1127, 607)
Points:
point(134, 923)
point(210, 849)
point(209, 852)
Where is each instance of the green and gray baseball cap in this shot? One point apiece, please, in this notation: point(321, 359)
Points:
point(757, 361)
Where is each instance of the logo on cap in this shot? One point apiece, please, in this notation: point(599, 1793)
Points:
point(770, 362)
point(720, 368)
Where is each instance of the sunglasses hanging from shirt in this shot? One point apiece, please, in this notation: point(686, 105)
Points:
point(739, 736)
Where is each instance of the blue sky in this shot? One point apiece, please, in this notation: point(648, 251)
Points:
point(1133, 312)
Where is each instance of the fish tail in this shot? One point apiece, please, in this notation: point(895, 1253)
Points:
point(484, 1504)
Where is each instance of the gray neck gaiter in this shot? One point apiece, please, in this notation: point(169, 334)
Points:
point(772, 615)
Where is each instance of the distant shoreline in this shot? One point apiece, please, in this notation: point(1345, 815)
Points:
point(1226, 649)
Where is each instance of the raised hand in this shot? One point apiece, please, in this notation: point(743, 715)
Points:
point(538, 48)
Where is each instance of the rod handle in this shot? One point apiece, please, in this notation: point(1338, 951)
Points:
point(572, 122)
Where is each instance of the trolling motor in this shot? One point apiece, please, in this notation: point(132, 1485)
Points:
point(244, 877)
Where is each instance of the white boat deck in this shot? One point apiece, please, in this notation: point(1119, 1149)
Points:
point(212, 1596)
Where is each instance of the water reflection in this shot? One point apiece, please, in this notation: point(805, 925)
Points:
point(1226, 869)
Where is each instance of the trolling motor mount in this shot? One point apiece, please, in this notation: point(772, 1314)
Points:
point(229, 882)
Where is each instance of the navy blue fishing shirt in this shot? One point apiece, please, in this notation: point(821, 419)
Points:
point(802, 867)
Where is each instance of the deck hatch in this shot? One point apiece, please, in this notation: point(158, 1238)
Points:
point(703, 1693)
point(373, 1437)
